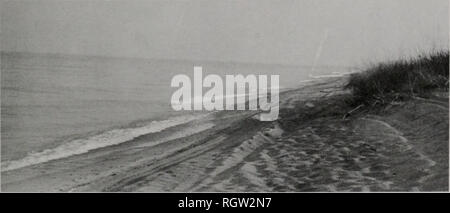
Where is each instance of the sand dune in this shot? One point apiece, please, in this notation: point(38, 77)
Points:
point(312, 147)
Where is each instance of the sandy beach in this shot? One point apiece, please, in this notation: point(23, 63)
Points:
point(315, 145)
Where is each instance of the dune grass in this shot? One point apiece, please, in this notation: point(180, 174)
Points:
point(401, 79)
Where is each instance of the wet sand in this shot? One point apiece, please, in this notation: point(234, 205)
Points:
point(312, 147)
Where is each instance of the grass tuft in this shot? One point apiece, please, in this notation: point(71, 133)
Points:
point(401, 79)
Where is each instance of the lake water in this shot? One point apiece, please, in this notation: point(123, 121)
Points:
point(55, 106)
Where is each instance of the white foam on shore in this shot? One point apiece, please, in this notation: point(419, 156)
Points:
point(192, 129)
point(233, 99)
point(104, 139)
point(332, 75)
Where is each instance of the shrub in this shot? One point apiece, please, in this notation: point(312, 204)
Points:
point(389, 81)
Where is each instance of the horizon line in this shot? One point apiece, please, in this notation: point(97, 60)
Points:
point(173, 59)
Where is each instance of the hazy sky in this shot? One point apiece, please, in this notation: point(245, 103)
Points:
point(269, 31)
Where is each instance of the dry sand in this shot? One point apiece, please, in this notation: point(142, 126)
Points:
point(312, 147)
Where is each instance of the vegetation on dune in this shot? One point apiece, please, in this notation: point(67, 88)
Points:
point(400, 79)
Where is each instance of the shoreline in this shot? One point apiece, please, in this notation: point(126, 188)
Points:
point(97, 139)
point(231, 151)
